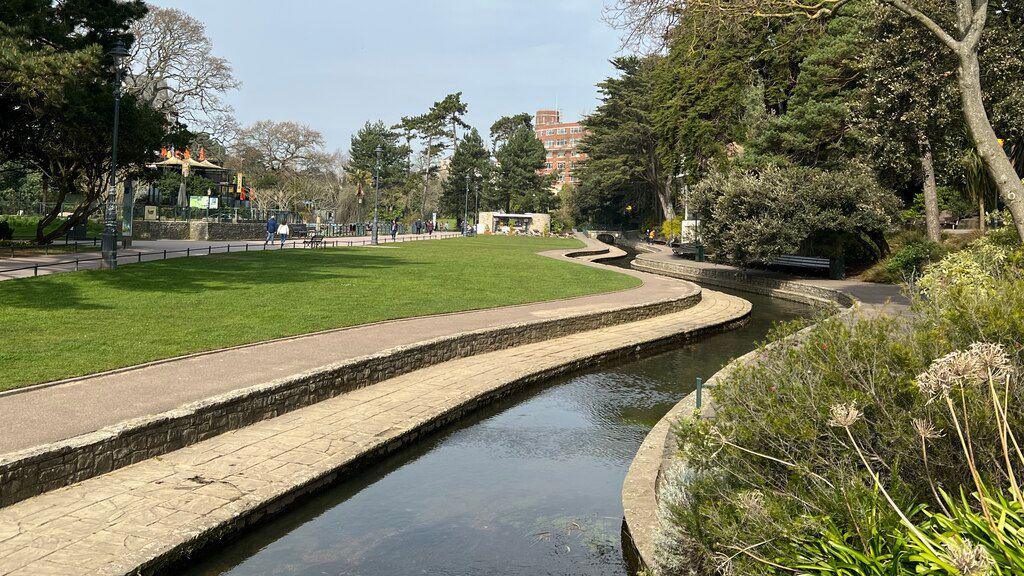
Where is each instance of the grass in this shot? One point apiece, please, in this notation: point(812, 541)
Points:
point(24, 227)
point(78, 323)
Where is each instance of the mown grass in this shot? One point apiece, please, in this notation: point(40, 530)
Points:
point(72, 324)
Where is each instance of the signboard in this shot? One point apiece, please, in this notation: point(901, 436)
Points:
point(198, 201)
point(214, 202)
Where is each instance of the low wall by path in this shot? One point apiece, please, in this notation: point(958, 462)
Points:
point(177, 230)
point(26, 473)
point(657, 453)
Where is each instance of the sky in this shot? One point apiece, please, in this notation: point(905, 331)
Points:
point(334, 64)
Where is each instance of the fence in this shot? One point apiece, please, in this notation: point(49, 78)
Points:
point(139, 257)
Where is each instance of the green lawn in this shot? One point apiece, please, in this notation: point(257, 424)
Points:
point(24, 227)
point(83, 322)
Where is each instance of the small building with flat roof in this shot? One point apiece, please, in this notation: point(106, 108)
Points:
point(509, 223)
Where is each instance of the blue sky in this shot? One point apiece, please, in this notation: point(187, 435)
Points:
point(335, 64)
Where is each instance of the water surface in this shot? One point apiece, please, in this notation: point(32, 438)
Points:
point(528, 486)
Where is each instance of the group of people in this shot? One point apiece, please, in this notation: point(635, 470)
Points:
point(276, 231)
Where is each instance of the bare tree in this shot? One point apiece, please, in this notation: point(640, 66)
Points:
point(645, 24)
point(173, 69)
point(270, 146)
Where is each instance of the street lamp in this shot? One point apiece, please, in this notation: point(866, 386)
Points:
point(376, 195)
point(465, 212)
point(109, 243)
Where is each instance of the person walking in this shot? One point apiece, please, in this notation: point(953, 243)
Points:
point(394, 229)
point(271, 230)
point(282, 232)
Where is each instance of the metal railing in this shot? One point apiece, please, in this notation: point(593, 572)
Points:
point(211, 249)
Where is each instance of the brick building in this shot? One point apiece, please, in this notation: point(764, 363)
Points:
point(561, 140)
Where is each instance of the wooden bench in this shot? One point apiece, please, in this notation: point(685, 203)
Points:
point(689, 249)
point(314, 241)
point(834, 267)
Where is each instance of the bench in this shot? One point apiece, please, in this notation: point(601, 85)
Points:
point(834, 267)
point(689, 249)
point(314, 241)
point(298, 230)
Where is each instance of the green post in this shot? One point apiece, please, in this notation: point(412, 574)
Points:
point(700, 392)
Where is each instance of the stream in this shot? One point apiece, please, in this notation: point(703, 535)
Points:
point(529, 485)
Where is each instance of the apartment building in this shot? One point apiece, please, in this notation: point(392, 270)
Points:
point(561, 140)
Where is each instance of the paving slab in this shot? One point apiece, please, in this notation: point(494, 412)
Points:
point(145, 514)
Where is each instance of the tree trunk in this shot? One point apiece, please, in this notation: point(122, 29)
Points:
point(668, 209)
point(931, 196)
point(426, 177)
point(981, 212)
point(1006, 179)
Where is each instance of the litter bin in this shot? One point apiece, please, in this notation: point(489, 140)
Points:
point(78, 231)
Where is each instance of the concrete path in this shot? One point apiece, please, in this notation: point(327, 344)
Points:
point(866, 292)
point(165, 507)
point(39, 415)
point(149, 250)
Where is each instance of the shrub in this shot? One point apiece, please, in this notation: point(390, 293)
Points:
point(830, 453)
point(750, 217)
point(906, 262)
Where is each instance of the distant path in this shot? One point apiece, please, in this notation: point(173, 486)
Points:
point(153, 250)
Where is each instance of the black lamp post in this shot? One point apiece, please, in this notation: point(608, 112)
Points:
point(465, 212)
point(109, 242)
point(376, 196)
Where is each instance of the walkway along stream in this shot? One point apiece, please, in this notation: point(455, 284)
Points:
point(527, 486)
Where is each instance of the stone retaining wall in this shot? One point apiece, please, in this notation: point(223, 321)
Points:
point(657, 453)
point(36, 470)
point(177, 230)
point(740, 280)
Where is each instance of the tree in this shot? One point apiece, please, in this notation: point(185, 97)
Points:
point(57, 102)
point(172, 68)
point(962, 40)
point(504, 127)
point(518, 185)
point(623, 166)
point(471, 165)
point(363, 160)
point(432, 127)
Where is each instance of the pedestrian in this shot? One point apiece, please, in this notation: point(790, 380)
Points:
point(282, 233)
point(394, 229)
point(430, 228)
point(271, 230)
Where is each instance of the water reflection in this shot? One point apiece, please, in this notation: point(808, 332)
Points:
point(529, 486)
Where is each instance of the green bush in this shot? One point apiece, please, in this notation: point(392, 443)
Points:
point(830, 453)
point(751, 217)
point(906, 262)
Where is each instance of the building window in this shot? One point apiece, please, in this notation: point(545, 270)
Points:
point(547, 165)
point(561, 165)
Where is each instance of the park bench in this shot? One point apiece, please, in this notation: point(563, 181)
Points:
point(298, 230)
point(693, 250)
point(314, 241)
point(834, 266)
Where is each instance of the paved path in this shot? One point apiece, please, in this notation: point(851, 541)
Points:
point(41, 415)
point(149, 250)
point(113, 523)
point(866, 292)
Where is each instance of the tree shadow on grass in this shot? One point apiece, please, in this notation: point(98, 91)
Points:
point(206, 274)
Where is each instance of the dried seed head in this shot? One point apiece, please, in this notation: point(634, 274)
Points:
point(992, 358)
point(844, 416)
point(969, 559)
point(751, 504)
point(724, 564)
point(925, 429)
point(960, 369)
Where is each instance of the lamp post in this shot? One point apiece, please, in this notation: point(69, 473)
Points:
point(376, 195)
point(109, 242)
point(465, 212)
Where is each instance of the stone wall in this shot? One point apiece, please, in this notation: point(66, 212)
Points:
point(36, 470)
point(658, 451)
point(178, 230)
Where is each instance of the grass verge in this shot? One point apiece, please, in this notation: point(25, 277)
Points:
point(65, 325)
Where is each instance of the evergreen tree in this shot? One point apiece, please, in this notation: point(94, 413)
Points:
point(393, 163)
point(518, 186)
point(471, 161)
